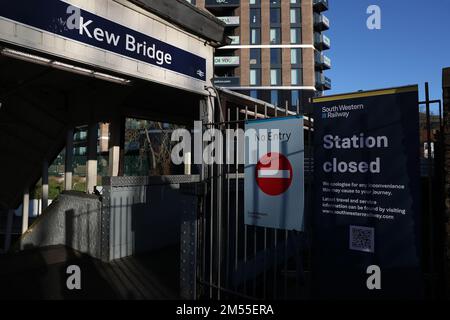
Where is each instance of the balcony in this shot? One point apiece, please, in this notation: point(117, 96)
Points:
point(322, 62)
point(222, 3)
point(227, 81)
point(320, 5)
point(321, 23)
point(322, 42)
point(226, 61)
point(232, 21)
point(235, 40)
point(322, 82)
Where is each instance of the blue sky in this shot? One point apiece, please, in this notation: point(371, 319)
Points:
point(412, 46)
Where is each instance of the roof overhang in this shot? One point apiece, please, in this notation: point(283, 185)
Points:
point(188, 17)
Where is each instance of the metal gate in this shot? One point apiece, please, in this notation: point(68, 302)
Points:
point(240, 261)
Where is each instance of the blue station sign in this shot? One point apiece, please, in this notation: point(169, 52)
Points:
point(62, 19)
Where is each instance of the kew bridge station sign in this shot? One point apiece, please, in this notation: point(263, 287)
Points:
point(111, 35)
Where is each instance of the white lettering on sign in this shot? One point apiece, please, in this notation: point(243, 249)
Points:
point(149, 51)
point(131, 44)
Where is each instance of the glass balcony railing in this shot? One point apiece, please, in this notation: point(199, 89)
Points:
point(322, 42)
point(320, 5)
point(235, 40)
point(227, 81)
point(226, 61)
point(322, 62)
point(232, 21)
point(326, 62)
point(222, 3)
point(321, 23)
point(322, 82)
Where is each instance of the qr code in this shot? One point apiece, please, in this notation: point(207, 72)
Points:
point(362, 239)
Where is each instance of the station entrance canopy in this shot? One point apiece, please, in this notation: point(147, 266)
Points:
point(118, 36)
point(69, 63)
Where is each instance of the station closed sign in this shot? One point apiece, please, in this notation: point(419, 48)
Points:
point(274, 173)
point(367, 199)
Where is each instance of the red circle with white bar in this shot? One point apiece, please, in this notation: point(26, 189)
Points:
point(274, 174)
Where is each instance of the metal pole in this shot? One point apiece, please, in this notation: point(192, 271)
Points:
point(219, 210)
point(265, 240)
point(204, 117)
point(310, 186)
point(275, 235)
point(245, 232)
point(236, 253)
point(430, 193)
point(227, 271)
point(211, 231)
point(255, 251)
point(286, 236)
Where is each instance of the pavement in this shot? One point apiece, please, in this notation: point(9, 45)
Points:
point(41, 273)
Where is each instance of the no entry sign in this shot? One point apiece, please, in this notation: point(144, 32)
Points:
point(274, 176)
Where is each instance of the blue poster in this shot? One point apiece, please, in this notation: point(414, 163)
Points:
point(367, 226)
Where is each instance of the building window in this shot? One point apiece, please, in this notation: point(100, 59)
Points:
point(255, 16)
point(275, 57)
point(296, 77)
point(295, 2)
point(255, 36)
point(275, 36)
point(275, 2)
point(254, 94)
point(275, 16)
point(296, 56)
point(295, 16)
point(255, 2)
point(255, 77)
point(296, 36)
point(274, 97)
point(255, 56)
point(275, 77)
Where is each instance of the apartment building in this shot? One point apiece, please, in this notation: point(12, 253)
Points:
point(277, 50)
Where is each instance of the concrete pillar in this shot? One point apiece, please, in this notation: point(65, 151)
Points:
point(44, 186)
point(68, 176)
point(91, 165)
point(187, 163)
point(116, 131)
point(104, 137)
point(25, 210)
point(8, 231)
